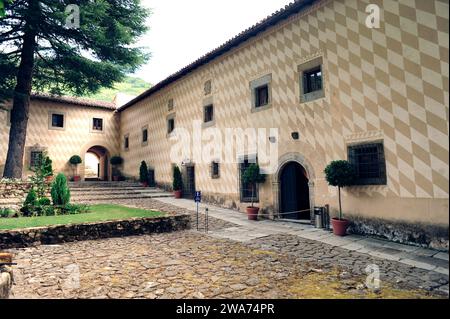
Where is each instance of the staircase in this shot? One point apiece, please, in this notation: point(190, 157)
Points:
point(97, 191)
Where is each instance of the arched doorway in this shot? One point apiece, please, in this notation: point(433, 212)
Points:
point(96, 165)
point(294, 192)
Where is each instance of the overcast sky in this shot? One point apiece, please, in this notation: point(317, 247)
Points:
point(182, 31)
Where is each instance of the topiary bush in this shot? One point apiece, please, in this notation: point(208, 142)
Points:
point(143, 173)
point(75, 160)
point(340, 174)
point(177, 180)
point(29, 205)
point(253, 176)
point(60, 191)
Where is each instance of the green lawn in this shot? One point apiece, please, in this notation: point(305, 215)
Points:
point(97, 213)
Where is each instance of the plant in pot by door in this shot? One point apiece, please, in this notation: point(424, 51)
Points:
point(75, 161)
point(253, 177)
point(115, 162)
point(47, 168)
point(143, 174)
point(177, 182)
point(340, 174)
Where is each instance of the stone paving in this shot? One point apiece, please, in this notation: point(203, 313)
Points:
point(260, 263)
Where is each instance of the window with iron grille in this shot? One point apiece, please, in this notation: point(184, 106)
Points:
point(35, 158)
point(369, 163)
point(246, 188)
point(215, 170)
point(208, 113)
point(97, 124)
point(262, 96)
point(312, 80)
point(58, 120)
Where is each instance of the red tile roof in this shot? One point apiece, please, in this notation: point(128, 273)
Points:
point(73, 100)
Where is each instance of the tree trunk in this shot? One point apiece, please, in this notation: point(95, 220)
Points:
point(340, 205)
point(21, 102)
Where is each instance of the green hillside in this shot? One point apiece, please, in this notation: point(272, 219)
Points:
point(130, 86)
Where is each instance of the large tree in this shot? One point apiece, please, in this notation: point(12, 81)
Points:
point(44, 48)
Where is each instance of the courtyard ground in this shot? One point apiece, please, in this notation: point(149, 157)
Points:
point(234, 260)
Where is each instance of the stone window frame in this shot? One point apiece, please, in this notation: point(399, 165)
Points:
point(143, 129)
point(308, 66)
point(92, 130)
point(33, 149)
point(256, 84)
point(241, 160)
point(50, 121)
point(171, 117)
point(126, 138)
point(381, 180)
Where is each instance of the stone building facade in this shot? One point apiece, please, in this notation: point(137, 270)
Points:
point(333, 86)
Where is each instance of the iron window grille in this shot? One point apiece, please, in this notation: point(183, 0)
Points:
point(369, 163)
point(209, 113)
point(262, 96)
point(312, 80)
point(58, 120)
point(245, 189)
point(97, 124)
point(215, 170)
point(35, 158)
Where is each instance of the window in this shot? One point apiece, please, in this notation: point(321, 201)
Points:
point(262, 96)
point(126, 142)
point(312, 80)
point(208, 114)
point(35, 158)
point(208, 87)
point(97, 124)
point(170, 125)
point(245, 188)
point(170, 105)
point(369, 163)
point(215, 170)
point(57, 120)
point(144, 135)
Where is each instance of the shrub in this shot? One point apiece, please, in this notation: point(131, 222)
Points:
point(340, 174)
point(47, 166)
point(73, 209)
point(253, 177)
point(116, 160)
point(177, 181)
point(44, 201)
point(143, 172)
point(6, 212)
point(60, 191)
point(29, 205)
point(75, 160)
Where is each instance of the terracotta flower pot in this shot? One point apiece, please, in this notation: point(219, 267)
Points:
point(48, 179)
point(340, 226)
point(76, 178)
point(177, 194)
point(252, 213)
point(144, 184)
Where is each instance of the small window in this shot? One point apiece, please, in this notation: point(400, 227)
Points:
point(262, 96)
point(126, 142)
point(369, 163)
point(215, 169)
point(145, 135)
point(170, 125)
point(312, 80)
point(97, 124)
point(208, 114)
point(170, 105)
point(58, 120)
point(208, 87)
point(35, 158)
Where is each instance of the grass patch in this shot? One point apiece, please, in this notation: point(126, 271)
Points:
point(97, 213)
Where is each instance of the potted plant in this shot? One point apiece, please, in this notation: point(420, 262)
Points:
point(340, 174)
point(177, 182)
point(253, 177)
point(75, 161)
point(143, 174)
point(116, 161)
point(47, 168)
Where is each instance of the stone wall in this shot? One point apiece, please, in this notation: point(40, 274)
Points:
point(13, 193)
point(90, 231)
point(422, 235)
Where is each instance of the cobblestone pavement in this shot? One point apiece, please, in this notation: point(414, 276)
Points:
point(192, 264)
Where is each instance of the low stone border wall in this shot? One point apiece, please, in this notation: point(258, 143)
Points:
point(51, 235)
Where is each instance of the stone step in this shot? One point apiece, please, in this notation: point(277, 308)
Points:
point(126, 196)
point(115, 192)
point(102, 184)
point(113, 189)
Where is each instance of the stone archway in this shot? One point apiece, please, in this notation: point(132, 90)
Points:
point(284, 161)
point(102, 171)
point(103, 153)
